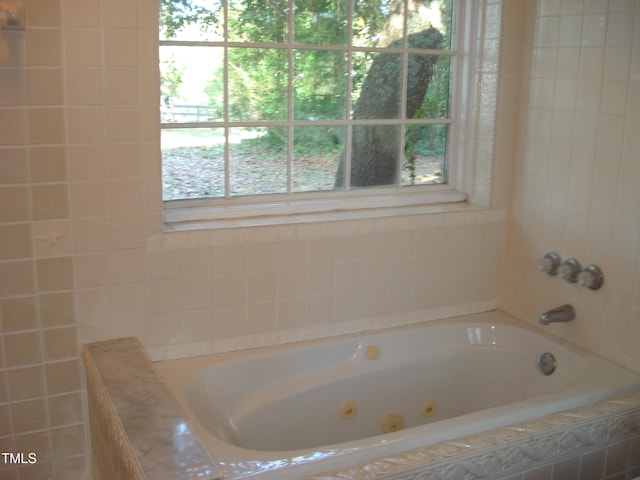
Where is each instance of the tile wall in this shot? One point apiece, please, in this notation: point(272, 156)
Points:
point(77, 132)
point(576, 188)
point(83, 255)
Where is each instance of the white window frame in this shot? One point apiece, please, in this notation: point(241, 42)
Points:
point(278, 207)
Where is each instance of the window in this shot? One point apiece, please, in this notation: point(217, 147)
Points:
point(305, 104)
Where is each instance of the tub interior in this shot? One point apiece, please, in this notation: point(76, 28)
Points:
point(336, 391)
point(310, 412)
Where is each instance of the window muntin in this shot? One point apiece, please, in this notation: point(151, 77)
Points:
point(304, 123)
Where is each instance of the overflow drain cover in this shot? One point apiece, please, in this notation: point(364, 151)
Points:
point(547, 363)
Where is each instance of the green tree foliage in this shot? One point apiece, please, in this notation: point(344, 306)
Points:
point(258, 21)
point(176, 14)
point(171, 78)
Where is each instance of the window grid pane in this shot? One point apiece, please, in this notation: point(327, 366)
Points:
point(314, 115)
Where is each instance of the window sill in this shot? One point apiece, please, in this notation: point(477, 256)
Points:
point(431, 214)
point(305, 211)
point(369, 214)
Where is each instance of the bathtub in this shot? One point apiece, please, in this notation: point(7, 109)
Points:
point(299, 409)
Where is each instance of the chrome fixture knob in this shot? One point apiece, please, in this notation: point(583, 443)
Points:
point(591, 277)
point(550, 263)
point(570, 270)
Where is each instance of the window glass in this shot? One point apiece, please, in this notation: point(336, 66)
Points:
point(425, 154)
point(192, 163)
point(257, 161)
point(319, 86)
point(317, 155)
point(272, 97)
point(258, 83)
point(191, 84)
point(195, 20)
point(321, 22)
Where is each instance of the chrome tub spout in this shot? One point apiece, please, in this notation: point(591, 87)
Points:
point(564, 313)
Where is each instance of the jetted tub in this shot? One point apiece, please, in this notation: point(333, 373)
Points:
point(317, 405)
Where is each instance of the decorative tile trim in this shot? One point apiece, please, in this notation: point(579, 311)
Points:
point(506, 450)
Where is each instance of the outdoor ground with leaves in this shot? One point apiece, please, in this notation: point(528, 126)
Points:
point(198, 172)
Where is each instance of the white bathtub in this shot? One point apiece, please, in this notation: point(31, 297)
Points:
point(293, 410)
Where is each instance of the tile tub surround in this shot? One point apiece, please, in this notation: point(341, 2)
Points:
point(137, 431)
point(563, 446)
point(136, 398)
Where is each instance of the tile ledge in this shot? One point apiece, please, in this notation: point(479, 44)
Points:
point(321, 225)
point(126, 395)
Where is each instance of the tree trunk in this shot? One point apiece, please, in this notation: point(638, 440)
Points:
point(374, 151)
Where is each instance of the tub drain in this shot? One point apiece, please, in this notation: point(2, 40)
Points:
point(547, 363)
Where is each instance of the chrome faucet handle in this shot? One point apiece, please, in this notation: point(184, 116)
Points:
point(570, 270)
point(550, 263)
point(591, 277)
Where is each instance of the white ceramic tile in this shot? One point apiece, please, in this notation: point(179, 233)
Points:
point(594, 30)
